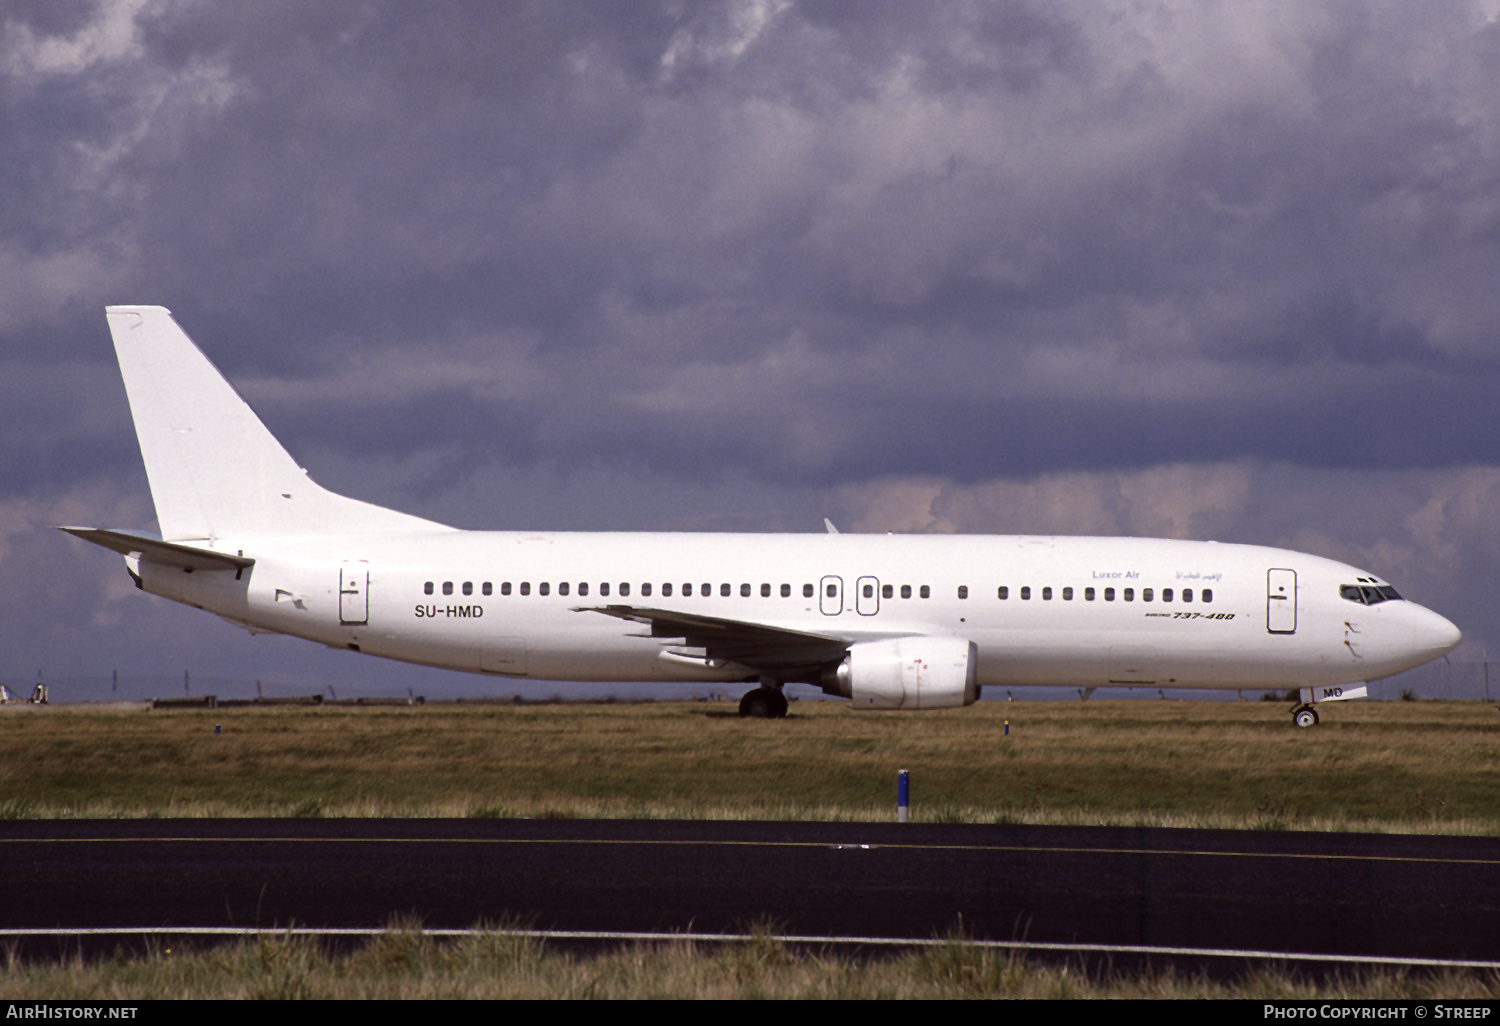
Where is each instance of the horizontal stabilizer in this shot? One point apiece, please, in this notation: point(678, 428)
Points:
point(154, 550)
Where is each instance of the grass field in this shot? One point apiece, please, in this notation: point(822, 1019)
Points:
point(1415, 767)
point(1382, 766)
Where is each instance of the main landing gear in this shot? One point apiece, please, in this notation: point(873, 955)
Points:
point(1305, 716)
point(764, 703)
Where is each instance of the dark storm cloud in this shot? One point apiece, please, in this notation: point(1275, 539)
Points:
point(764, 247)
point(997, 179)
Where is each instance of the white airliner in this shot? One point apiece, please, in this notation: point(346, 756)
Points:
point(887, 621)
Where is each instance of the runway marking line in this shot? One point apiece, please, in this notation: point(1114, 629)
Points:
point(830, 845)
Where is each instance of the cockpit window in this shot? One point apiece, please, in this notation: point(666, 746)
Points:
point(1368, 594)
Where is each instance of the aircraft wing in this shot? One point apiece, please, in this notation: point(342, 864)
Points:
point(154, 550)
point(773, 649)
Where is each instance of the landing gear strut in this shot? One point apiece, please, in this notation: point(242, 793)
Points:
point(763, 704)
point(1305, 716)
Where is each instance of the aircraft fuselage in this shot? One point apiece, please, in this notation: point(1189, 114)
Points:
point(1076, 611)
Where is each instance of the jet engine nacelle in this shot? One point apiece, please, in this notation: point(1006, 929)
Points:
point(907, 673)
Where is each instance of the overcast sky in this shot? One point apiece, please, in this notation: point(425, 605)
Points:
point(1198, 270)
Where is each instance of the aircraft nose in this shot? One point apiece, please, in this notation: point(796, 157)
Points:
point(1435, 635)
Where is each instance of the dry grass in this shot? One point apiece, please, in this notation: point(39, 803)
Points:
point(1406, 767)
point(407, 963)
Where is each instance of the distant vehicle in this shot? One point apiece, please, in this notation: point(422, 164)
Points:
point(887, 621)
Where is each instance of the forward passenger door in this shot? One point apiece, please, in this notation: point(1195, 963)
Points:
point(1281, 601)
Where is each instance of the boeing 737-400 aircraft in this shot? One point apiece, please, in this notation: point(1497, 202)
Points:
point(887, 621)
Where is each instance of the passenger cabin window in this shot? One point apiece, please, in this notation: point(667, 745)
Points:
point(1047, 594)
point(583, 588)
point(1145, 594)
point(468, 587)
point(786, 591)
point(807, 591)
point(706, 590)
point(1187, 594)
point(886, 591)
point(963, 591)
point(925, 591)
point(869, 591)
point(1166, 594)
point(1004, 592)
point(1129, 595)
point(487, 588)
point(1208, 595)
point(765, 591)
point(906, 591)
point(1088, 594)
point(543, 588)
point(427, 589)
point(562, 589)
point(1026, 592)
point(1109, 594)
point(744, 591)
point(447, 587)
point(724, 590)
point(1067, 594)
point(666, 591)
point(505, 588)
point(525, 587)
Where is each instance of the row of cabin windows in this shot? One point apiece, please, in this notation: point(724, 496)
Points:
point(888, 591)
point(704, 590)
point(1128, 594)
point(808, 591)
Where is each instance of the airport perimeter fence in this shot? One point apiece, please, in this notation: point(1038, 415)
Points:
point(188, 686)
point(1444, 680)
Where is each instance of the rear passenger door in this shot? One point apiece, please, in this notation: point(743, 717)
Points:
point(354, 593)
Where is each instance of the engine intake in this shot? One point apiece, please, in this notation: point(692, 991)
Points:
point(907, 673)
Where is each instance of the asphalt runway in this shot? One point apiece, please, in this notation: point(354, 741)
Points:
point(1336, 894)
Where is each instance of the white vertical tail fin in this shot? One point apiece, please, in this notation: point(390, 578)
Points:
point(215, 471)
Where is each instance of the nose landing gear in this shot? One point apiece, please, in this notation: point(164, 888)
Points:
point(1305, 716)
